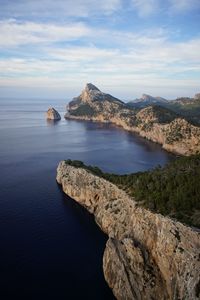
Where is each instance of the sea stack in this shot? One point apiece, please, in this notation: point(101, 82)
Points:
point(52, 114)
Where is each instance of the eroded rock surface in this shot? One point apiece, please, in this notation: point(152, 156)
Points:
point(147, 256)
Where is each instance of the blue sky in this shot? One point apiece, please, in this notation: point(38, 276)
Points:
point(53, 48)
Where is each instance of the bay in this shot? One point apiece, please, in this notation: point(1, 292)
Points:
point(51, 247)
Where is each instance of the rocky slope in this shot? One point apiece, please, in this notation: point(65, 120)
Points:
point(52, 114)
point(155, 123)
point(147, 256)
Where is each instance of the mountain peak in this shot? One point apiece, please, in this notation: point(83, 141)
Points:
point(146, 97)
point(90, 86)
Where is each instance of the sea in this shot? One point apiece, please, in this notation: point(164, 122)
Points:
point(50, 246)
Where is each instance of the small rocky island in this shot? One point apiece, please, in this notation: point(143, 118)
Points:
point(52, 114)
point(155, 122)
point(147, 256)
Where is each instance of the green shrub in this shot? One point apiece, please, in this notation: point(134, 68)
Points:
point(83, 110)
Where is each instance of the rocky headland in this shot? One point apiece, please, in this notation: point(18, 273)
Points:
point(147, 256)
point(156, 123)
point(52, 114)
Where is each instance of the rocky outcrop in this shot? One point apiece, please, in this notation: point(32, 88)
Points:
point(155, 123)
point(197, 96)
point(52, 114)
point(90, 95)
point(147, 256)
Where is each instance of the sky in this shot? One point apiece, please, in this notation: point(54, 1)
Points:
point(51, 49)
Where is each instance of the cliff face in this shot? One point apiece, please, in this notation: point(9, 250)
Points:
point(147, 256)
point(155, 123)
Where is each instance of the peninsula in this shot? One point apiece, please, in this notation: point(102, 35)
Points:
point(155, 122)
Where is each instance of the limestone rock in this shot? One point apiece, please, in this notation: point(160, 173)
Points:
point(52, 114)
point(91, 95)
point(147, 256)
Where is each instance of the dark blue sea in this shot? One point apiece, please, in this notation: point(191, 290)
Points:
point(50, 247)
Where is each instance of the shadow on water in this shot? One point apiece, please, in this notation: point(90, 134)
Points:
point(88, 244)
point(52, 248)
point(131, 137)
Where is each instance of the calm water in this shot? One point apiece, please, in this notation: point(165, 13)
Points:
point(50, 247)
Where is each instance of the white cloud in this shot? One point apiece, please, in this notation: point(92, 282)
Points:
point(82, 54)
point(154, 59)
point(144, 53)
point(13, 33)
point(137, 60)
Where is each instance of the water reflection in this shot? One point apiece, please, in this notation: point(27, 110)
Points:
point(52, 122)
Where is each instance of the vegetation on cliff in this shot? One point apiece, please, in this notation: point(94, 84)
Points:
point(83, 110)
point(172, 190)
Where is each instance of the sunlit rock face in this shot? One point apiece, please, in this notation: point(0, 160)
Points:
point(155, 123)
point(147, 256)
point(52, 114)
point(91, 93)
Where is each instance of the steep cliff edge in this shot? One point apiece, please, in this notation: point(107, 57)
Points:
point(155, 123)
point(147, 256)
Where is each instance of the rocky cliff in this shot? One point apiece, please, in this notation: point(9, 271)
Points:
point(155, 123)
point(147, 256)
point(52, 114)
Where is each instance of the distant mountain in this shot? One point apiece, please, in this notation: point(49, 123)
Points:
point(187, 107)
point(154, 122)
point(146, 100)
point(187, 100)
